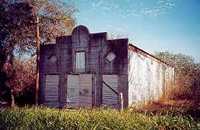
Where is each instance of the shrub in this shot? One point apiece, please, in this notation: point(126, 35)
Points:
point(91, 119)
point(187, 73)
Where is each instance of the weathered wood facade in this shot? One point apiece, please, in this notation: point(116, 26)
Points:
point(88, 70)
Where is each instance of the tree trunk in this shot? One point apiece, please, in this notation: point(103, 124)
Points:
point(11, 74)
point(12, 98)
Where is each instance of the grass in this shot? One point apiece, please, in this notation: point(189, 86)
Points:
point(173, 107)
point(41, 118)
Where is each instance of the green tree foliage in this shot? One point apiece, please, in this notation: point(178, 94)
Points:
point(18, 31)
point(187, 75)
point(18, 22)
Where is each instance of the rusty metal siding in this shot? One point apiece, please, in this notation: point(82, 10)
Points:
point(148, 78)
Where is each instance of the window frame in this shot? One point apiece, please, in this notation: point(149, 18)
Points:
point(80, 70)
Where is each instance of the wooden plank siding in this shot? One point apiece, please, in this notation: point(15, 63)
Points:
point(96, 46)
point(79, 90)
point(110, 98)
point(72, 90)
point(51, 90)
point(85, 90)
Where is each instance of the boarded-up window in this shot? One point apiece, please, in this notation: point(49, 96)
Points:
point(73, 90)
point(51, 88)
point(80, 61)
point(79, 90)
point(111, 56)
point(110, 98)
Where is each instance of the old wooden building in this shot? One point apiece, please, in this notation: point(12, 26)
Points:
point(87, 70)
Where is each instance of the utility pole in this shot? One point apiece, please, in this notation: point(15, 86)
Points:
point(38, 53)
point(37, 60)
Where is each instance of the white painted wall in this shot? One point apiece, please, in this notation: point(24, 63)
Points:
point(147, 78)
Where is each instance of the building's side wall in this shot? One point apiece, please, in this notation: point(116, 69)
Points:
point(148, 78)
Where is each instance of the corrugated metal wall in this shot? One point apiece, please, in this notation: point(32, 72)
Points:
point(148, 78)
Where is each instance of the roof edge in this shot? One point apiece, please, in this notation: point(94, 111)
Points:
point(151, 55)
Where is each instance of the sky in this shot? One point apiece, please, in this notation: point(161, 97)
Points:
point(153, 25)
